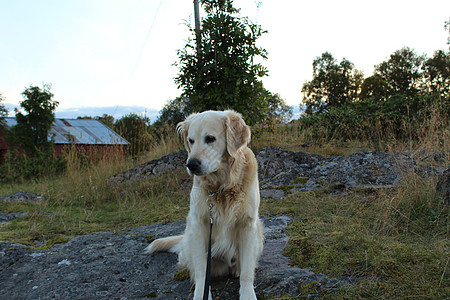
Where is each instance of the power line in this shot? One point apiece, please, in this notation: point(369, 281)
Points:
point(140, 53)
point(146, 39)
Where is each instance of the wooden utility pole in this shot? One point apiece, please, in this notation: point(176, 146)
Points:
point(197, 26)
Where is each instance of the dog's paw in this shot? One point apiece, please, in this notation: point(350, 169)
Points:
point(199, 295)
point(247, 293)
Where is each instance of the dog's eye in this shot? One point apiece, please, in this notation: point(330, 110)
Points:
point(191, 141)
point(210, 139)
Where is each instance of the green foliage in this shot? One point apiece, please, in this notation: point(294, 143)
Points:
point(398, 117)
point(405, 91)
point(436, 73)
point(136, 130)
point(3, 110)
point(105, 119)
point(3, 114)
point(174, 112)
point(374, 88)
point(332, 85)
point(277, 109)
point(447, 28)
point(31, 153)
point(220, 72)
point(31, 131)
point(42, 164)
point(401, 72)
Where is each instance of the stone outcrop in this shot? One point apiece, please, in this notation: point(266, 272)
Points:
point(283, 172)
point(152, 168)
point(23, 197)
point(112, 266)
point(300, 171)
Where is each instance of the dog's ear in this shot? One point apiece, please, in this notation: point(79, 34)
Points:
point(183, 129)
point(238, 133)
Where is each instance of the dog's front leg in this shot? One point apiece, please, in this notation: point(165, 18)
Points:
point(195, 247)
point(199, 257)
point(248, 256)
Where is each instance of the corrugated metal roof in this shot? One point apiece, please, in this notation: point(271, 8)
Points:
point(79, 131)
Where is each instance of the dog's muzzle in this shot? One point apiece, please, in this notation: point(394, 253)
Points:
point(195, 166)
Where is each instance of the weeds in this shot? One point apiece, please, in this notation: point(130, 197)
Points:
point(398, 237)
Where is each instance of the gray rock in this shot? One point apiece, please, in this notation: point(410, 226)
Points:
point(301, 171)
point(443, 187)
point(20, 197)
point(6, 217)
point(112, 265)
point(153, 168)
point(23, 197)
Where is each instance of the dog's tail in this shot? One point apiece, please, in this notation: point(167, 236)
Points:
point(170, 244)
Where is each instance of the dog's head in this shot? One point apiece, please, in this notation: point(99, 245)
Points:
point(210, 136)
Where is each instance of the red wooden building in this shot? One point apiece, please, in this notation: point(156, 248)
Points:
point(86, 135)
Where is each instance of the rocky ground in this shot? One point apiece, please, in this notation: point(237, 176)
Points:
point(112, 266)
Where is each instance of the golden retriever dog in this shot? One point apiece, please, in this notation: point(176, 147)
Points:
point(225, 175)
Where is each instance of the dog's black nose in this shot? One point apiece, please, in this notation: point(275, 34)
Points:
point(194, 165)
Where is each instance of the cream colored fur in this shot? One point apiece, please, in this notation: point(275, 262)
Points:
point(218, 140)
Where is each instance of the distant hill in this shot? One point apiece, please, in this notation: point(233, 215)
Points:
point(117, 111)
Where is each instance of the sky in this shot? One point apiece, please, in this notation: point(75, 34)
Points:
point(117, 56)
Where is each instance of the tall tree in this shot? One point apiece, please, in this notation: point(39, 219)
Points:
point(3, 110)
point(222, 73)
point(32, 128)
point(174, 111)
point(401, 72)
point(374, 88)
point(279, 111)
point(333, 84)
point(136, 130)
point(437, 74)
point(447, 28)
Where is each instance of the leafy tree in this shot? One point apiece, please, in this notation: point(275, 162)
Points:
point(333, 84)
point(3, 110)
point(3, 114)
point(174, 112)
point(437, 74)
point(278, 110)
point(105, 119)
point(32, 128)
point(136, 130)
point(401, 72)
point(374, 88)
point(221, 73)
point(447, 28)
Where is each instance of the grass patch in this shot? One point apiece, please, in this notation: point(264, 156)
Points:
point(182, 275)
point(398, 236)
point(103, 208)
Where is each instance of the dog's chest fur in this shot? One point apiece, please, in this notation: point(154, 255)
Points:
point(228, 216)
